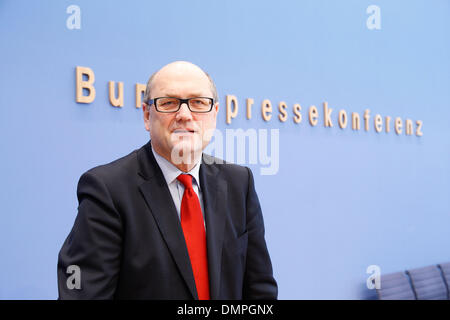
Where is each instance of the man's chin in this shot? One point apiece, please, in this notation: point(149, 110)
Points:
point(185, 141)
point(186, 150)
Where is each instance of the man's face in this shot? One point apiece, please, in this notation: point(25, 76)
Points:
point(184, 131)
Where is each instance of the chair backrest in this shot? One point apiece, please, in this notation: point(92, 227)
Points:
point(428, 283)
point(445, 269)
point(395, 286)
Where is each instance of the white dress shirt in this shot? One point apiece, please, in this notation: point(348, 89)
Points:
point(176, 188)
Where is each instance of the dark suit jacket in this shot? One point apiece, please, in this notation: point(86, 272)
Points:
point(127, 238)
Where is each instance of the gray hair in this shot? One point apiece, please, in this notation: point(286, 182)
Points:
point(147, 94)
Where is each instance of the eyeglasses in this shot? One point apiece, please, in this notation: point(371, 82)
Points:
point(171, 105)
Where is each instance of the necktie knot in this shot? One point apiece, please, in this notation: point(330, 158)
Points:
point(186, 180)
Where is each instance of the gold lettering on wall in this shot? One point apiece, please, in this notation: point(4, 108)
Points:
point(356, 121)
point(266, 110)
point(231, 112)
point(408, 127)
point(85, 93)
point(378, 123)
point(283, 114)
point(297, 113)
point(419, 128)
point(140, 91)
point(342, 119)
point(250, 102)
point(398, 125)
point(116, 100)
point(366, 119)
point(327, 115)
point(388, 120)
point(313, 115)
point(81, 84)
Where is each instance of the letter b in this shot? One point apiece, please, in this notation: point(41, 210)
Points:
point(88, 85)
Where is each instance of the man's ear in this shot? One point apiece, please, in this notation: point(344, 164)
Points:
point(146, 113)
point(217, 109)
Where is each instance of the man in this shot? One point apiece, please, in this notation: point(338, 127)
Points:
point(166, 221)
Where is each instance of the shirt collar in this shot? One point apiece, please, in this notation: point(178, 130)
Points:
point(171, 172)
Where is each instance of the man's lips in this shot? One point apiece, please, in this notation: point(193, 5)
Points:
point(183, 131)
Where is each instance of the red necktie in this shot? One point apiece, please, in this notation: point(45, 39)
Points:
point(195, 236)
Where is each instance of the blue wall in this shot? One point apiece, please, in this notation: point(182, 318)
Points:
point(341, 200)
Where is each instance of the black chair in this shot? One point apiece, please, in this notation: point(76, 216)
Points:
point(428, 283)
point(445, 269)
point(395, 286)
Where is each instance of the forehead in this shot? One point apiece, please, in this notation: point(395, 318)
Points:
point(181, 80)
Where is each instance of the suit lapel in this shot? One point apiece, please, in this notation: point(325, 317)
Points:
point(214, 191)
point(157, 195)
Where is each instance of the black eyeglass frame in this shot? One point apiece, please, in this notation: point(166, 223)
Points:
point(153, 102)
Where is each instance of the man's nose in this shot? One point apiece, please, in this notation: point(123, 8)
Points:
point(184, 113)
